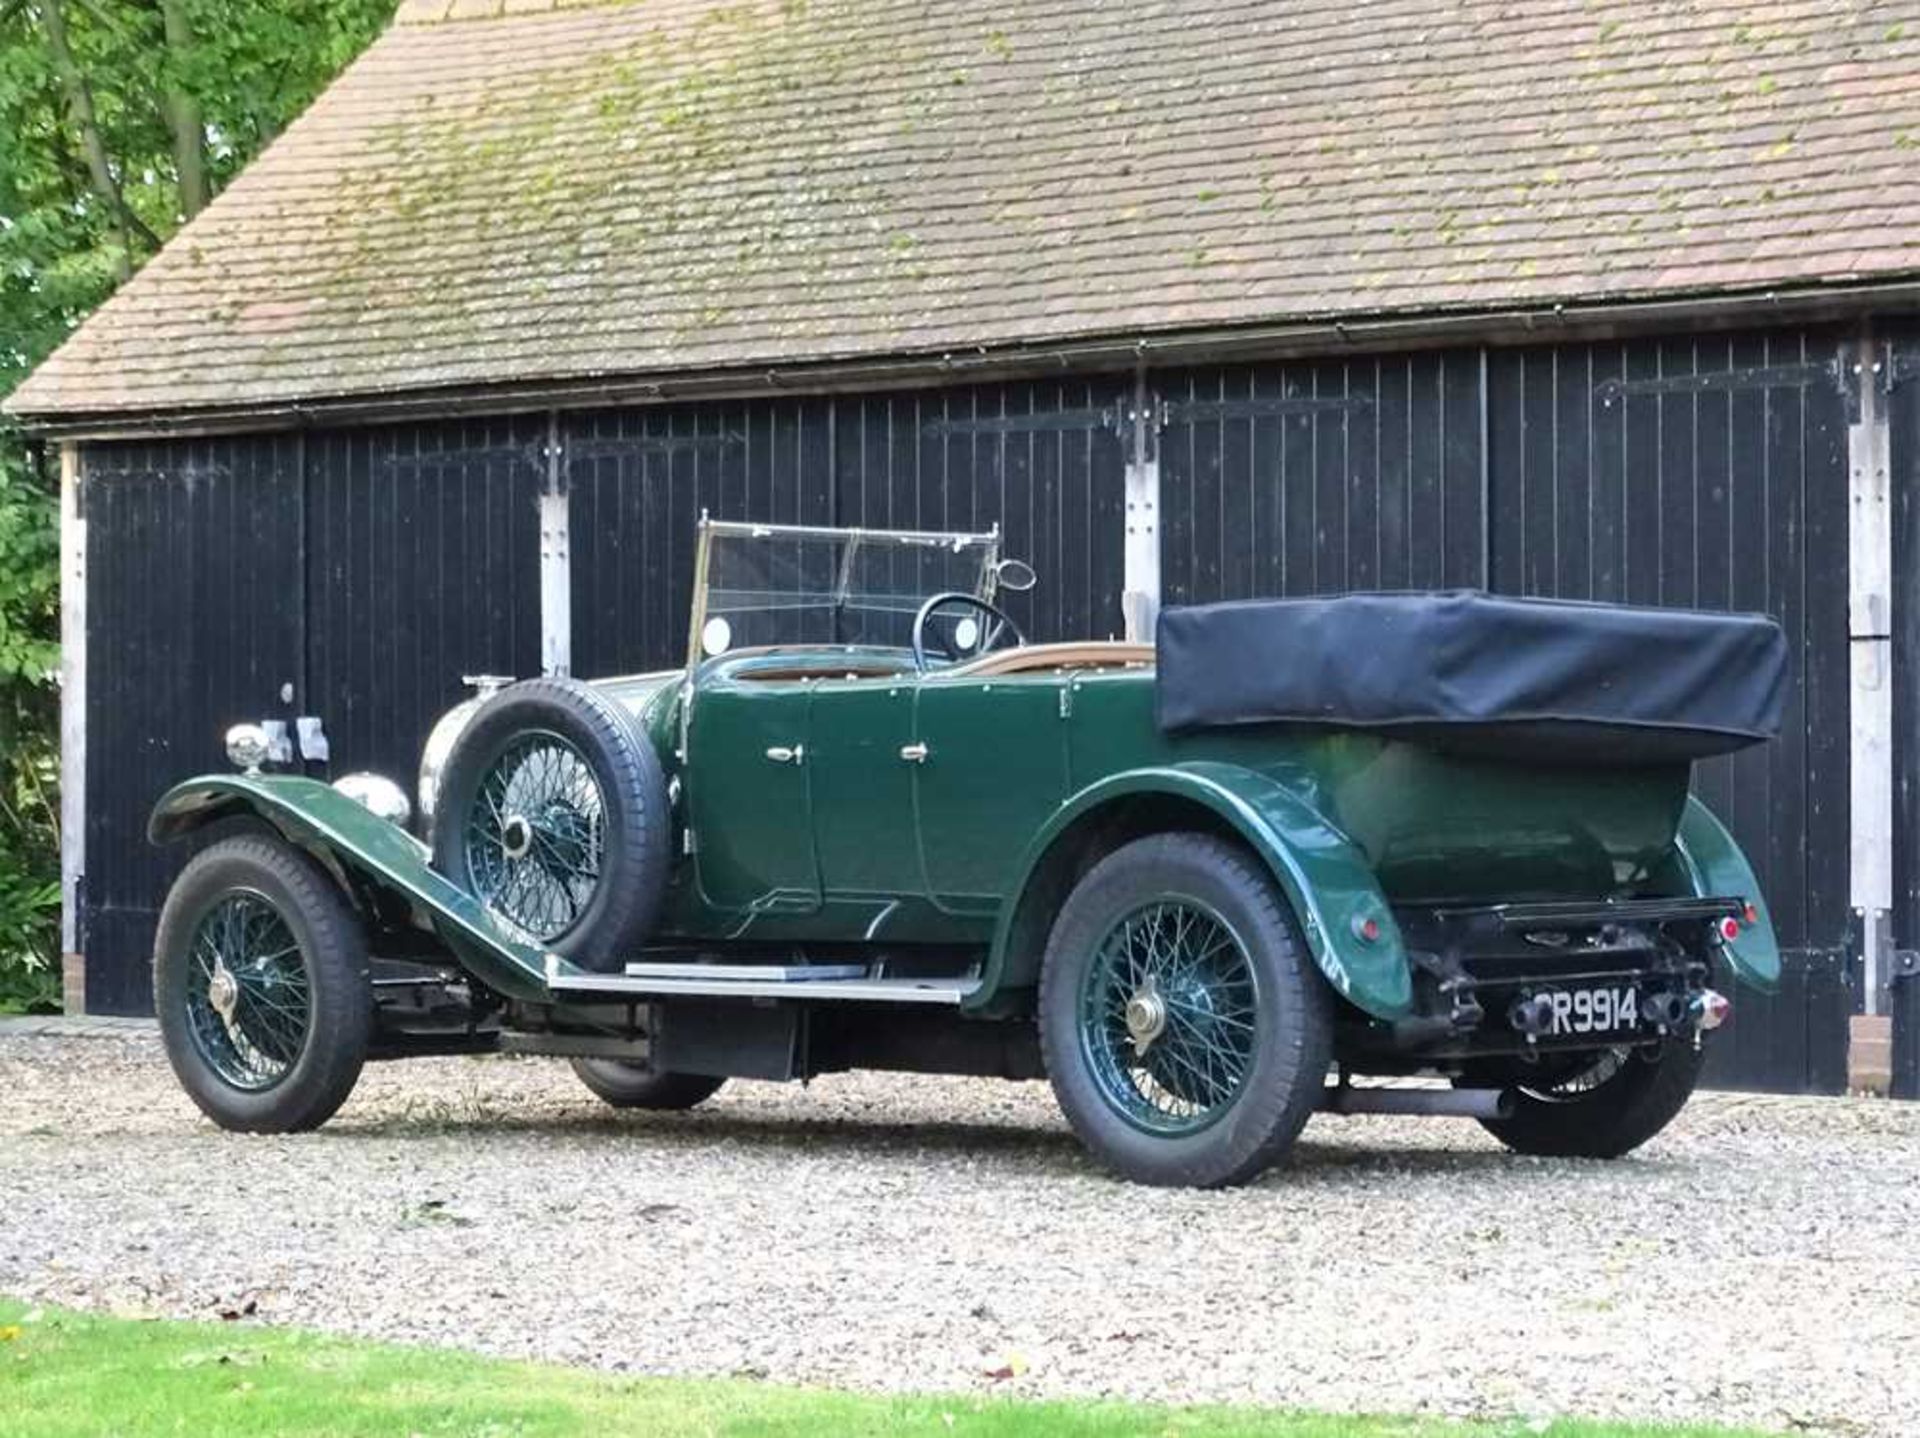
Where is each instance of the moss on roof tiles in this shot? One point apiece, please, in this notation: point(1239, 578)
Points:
point(546, 190)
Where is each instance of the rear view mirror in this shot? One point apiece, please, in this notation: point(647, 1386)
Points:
point(1015, 576)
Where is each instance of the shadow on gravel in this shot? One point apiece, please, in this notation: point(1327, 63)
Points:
point(1036, 1150)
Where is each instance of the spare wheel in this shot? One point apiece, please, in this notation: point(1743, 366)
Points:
point(553, 814)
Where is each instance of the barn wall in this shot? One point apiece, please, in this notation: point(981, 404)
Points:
point(371, 569)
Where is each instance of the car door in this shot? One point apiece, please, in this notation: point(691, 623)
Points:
point(992, 767)
point(746, 792)
point(862, 790)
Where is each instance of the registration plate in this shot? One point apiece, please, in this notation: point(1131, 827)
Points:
point(1600, 1009)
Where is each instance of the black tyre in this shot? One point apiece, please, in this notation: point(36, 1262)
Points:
point(553, 813)
point(626, 1085)
point(1598, 1106)
point(1186, 1031)
point(261, 982)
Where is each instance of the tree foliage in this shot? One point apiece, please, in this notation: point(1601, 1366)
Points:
point(119, 119)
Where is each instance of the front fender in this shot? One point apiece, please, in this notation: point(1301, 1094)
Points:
point(315, 817)
point(1324, 875)
point(1712, 863)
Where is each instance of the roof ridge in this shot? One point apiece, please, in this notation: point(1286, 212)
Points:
point(440, 12)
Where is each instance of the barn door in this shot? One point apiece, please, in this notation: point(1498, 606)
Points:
point(1711, 473)
point(1043, 460)
point(422, 563)
point(1313, 478)
point(194, 622)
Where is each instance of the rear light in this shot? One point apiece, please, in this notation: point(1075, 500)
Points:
point(1750, 915)
point(1368, 930)
point(1729, 928)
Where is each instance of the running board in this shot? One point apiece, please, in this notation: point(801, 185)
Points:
point(845, 983)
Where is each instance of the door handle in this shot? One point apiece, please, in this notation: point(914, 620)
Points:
point(914, 753)
point(783, 754)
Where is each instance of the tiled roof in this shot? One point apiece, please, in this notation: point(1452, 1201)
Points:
point(519, 190)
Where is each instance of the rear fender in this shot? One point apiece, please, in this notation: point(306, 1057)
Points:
point(1324, 876)
point(342, 833)
point(1711, 862)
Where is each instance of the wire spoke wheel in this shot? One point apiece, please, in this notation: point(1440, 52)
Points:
point(535, 835)
point(249, 1002)
point(1168, 1017)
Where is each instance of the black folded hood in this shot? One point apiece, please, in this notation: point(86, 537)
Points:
point(1527, 678)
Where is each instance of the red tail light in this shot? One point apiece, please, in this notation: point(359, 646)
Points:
point(1729, 928)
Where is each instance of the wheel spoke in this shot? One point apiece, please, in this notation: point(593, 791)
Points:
point(536, 836)
point(1188, 1062)
point(243, 951)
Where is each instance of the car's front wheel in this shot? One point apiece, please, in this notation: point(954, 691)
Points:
point(1595, 1105)
point(262, 987)
point(1186, 1031)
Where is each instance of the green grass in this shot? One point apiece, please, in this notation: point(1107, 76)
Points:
point(63, 1375)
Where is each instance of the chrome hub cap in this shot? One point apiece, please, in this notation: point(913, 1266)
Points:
point(516, 837)
point(1146, 1015)
point(223, 993)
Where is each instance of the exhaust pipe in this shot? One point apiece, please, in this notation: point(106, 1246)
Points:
point(1424, 1102)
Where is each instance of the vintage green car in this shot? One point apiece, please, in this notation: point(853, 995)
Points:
point(1201, 886)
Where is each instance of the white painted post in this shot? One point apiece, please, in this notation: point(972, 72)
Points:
point(1140, 585)
point(73, 727)
point(556, 564)
point(1870, 635)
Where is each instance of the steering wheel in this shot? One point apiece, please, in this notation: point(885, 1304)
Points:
point(996, 616)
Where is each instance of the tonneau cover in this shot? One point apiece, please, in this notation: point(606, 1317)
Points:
point(1522, 678)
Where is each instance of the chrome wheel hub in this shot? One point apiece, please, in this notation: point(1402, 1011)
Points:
point(1146, 1016)
point(516, 836)
point(223, 993)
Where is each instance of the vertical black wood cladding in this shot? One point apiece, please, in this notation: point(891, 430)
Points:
point(1314, 477)
point(638, 481)
point(193, 624)
point(1903, 404)
point(1710, 473)
point(422, 565)
point(1042, 460)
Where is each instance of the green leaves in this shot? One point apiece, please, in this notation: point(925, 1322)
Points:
point(29, 734)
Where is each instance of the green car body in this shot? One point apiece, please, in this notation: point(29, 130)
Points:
point(842, 819)
point(853, 845)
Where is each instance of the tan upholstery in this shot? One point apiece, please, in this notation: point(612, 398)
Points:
point(1044, 658)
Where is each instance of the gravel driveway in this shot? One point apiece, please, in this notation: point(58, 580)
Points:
point(1751, 1265)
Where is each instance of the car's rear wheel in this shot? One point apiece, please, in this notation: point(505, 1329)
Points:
point(629, 1085)
point(553, 814)
point(1185, 1030)
point(1596, 1105)
point(262, 987)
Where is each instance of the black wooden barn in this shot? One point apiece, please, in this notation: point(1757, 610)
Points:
point(1612, 300)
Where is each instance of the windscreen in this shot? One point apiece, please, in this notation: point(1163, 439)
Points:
point(788, 587)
